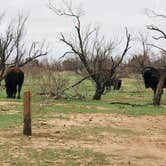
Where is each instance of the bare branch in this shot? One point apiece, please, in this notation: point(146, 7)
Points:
point(66, 10)
point(152, 13)
point(157, 29)
point(36, 50)
point(153, 45)
point(77, 83)
point(66, 53)
point(127, 47)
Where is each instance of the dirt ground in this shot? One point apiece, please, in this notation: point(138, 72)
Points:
point(136, 141)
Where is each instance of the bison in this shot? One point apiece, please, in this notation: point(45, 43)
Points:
point(151, 78)
point(14, 79)
point(115, 82)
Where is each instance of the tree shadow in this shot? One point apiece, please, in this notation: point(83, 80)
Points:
point(131, 104)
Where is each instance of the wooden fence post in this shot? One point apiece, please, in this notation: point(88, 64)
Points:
point(27, 114)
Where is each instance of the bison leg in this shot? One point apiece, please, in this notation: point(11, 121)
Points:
point(19, 90)
point(14, 91)
point(115, 85)
point(154, 93)
point(108, 88)
point(9, 93)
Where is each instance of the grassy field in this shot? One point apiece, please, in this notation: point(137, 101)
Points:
point(85, 132)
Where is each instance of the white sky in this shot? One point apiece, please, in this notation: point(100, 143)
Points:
point(112, 15)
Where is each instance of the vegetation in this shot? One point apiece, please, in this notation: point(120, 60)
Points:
point(18, 150)
point(62, 91)
point(13, 46)
point(94, 52)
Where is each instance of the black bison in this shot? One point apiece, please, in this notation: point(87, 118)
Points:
point(114, 82)
point(151, 78)
point(14, 79)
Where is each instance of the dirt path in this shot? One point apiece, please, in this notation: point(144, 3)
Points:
point(136, 141)
point(125, 140)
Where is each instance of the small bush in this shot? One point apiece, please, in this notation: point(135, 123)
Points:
point(53, 83)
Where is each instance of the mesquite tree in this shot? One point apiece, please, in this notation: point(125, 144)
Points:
point(162, 69)
point(13, 47)
point(92, 49)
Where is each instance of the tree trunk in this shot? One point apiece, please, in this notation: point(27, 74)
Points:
point(159, 91)
point(2, 73)
point(99, 91)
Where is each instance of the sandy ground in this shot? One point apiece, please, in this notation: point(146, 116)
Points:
point(136, 141)
point(143, 144)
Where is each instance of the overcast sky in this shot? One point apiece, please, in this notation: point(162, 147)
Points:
point(112, 15)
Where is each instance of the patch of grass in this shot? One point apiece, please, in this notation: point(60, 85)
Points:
point(136, 95)
point(125, 108)
point(86, 131)
point(10, 120)
point(49, 157)
point(10, 113)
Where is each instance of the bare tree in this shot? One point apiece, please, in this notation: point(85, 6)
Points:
point(142, 58)
point(6, 48)
point(161, 35)
point(92, 49)
point(13, 47)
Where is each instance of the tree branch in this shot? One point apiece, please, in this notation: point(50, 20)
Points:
point(128, 36)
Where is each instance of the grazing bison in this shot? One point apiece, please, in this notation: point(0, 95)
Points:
point(151, 78)
point(14, 79)
point(115, 82)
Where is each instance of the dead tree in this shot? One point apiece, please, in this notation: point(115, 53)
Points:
point(162, 69)
point(93, 51)
point(6, 49)
point(13, 49)
point(142, 58)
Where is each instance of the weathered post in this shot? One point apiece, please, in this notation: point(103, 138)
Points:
point(27, 130)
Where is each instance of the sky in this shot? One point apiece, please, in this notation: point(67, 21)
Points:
point(111, 15)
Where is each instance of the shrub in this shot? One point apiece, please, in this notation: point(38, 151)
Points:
point(53, 83)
